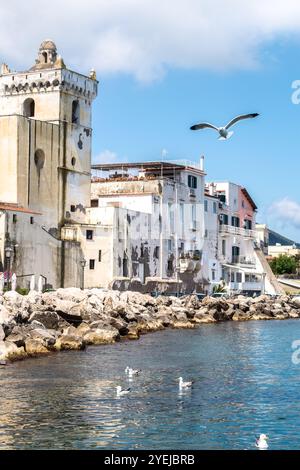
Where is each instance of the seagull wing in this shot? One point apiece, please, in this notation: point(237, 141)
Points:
point(240, 118)
point(203, 125)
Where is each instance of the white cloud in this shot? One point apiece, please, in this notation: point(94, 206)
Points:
point(107, 156)
point(145, 38)
point(286, 212)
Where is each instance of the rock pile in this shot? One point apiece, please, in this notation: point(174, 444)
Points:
point(68, 319)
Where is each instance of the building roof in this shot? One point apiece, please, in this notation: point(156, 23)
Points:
point(6, 206)
point(249, 198)
point(157, 167)
point(206, 194)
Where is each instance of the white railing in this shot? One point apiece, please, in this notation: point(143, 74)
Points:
point(247, 260)
point(245, 286)
point(237, 231)
point(189, 163)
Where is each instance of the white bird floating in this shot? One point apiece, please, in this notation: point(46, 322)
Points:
point(224, 134)
point(261, 442)
point(183, 384)
point(121, 392)
point(131, 372)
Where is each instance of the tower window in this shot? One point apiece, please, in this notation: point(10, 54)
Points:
point(29, 107)
point(45, 56)
point(92, 264)
point(89, 234)
point(39, 159)
point(75, 112)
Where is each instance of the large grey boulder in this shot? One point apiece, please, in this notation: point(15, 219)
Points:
point(69, 342)
point(35, 347)
point(102, 336)
point(9, 351)
point(48, 319)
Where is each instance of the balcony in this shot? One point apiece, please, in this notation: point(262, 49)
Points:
point(69, 234)
point(245, 286)
point(244, 260)
point(243, 232)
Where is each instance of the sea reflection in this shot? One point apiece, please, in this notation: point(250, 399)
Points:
point(244, 384)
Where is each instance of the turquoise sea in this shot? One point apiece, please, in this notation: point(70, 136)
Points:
point(245, 384)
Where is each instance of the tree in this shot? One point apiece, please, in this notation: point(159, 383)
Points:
point(284, 264)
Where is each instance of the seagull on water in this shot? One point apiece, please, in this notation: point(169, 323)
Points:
point(224, 134)
point(261, 442)
point(183, 384)
point(131, 372)
point(121, 392)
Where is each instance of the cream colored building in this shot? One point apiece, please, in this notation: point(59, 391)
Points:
point(276, 250)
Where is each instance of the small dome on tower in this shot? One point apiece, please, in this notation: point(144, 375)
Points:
point(47, 55)
point(48, 44)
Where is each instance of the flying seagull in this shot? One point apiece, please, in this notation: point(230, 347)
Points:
point(224, 134)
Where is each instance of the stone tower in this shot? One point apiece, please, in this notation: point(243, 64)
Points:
point(46, 156)
point(46, 138)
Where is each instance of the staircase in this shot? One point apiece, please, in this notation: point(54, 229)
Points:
point(270, 275)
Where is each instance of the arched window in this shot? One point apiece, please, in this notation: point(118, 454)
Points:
point(29, 107)
point(45, 55)
point(75, 112)
point(39, 159)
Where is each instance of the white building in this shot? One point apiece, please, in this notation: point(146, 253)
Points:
point(154, 212)
point(240, 263)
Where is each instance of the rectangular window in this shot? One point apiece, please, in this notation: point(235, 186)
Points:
point(248, 224)
point(192, 182)
point(171, 217)
point(224, 247)
point(213, 274)
point(89, 234)
point(206, 205)
point(232, 277)
point(156, 252)
point(181, 215)
point(73, 208)
point(223, 219)
point(238, 277)
point(193, 217)
point(94, 202)
point(31, 220)
point(214, 207)
point(14, 218)
point(235, 221)
point(169, 245)
point(170, 265)
point(92, 264)
point(100, 256)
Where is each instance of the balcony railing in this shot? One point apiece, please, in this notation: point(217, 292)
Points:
point(228, 229)
point(245, 286)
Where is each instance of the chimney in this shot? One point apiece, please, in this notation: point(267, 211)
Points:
point(202, 163)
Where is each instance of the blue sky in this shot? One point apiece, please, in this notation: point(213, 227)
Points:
point(136, 121)
point(164, 65)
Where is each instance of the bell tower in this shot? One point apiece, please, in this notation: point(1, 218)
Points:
point(45, 117)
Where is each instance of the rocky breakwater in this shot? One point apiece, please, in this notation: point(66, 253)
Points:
point(71, 319)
